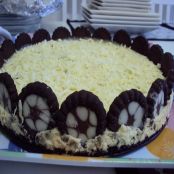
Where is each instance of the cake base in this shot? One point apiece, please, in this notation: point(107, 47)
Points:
point(112, 151)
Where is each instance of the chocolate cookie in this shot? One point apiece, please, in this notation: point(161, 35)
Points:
point(155, 54)
point(170, 82)
point(167, 63)
point(156, 98)
point(101, 33)
point(81, 32)
point(61, 33)
point(22, 40)
point(140, 45)
point(83, 115)
point(1, 59)
point(40, 35)
point(129, 108)
point(39, 107)
point(7, 49)
point(122, 38)
point(8, 93)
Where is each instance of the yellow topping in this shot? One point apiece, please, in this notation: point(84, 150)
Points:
point(104, 68)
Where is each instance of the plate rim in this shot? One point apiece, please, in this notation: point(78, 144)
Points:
point(125, 22)
point(94, 11)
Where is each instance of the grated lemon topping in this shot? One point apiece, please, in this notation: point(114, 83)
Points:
point(104, 68)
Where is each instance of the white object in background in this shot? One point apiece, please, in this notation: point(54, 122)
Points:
point(71, 9)
point(113, 20)
point(118, 3)
point(5, 34)
point(64, 10)
point(167, 17)
point(129, 19)
point(119, 13)
point(166, 10)
point(124, 20)
point(132, 29)
point(94, 5)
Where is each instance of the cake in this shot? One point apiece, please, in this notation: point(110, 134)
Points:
point(82, 93)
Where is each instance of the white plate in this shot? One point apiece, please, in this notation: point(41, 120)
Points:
point(122, 18)
point(103, 14)
point(119, 13)
point(149, 1)
point(123, 22)
point(133, 29)
point(136, 2)
point(132, 5)
point(128, 9)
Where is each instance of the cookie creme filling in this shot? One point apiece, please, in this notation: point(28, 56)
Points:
point(104, 68)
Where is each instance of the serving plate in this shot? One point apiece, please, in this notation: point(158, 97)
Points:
point(123, 4)
point(117, 8)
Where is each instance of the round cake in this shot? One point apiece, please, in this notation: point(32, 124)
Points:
point(82, 93)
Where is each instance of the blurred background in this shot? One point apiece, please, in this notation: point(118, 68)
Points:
point(71, 9)
point(49, 14)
